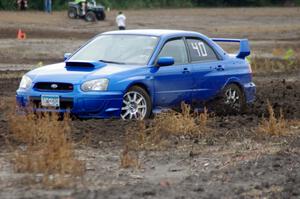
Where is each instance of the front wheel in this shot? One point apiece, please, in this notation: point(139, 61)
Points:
point(90, 17)
point(136, 104)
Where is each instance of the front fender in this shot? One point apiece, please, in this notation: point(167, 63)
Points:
point(142, 80)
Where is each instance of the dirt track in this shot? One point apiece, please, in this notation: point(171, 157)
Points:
point(50, 36)
point(232, 162)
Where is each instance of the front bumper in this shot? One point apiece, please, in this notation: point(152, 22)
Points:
point(106, 104)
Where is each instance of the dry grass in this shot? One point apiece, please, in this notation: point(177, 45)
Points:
point(260, 65)
point(11, 74)
point(155, 134)
point(7, 104)
point(184, 123)
point(204, 119)
point(129, 159)
point(282, 60)
point(42, 145)
point(48, 146)
point(273, 125)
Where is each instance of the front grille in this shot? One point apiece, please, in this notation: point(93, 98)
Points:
point(53, 86)
point(65, 103)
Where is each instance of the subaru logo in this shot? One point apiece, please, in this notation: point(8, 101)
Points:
point(54, 86)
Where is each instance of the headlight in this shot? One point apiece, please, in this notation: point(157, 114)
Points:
point(25, 82)
point(95, 85)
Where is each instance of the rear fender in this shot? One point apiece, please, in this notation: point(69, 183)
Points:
point(236, 81)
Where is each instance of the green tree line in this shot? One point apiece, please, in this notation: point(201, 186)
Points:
point(127, 4)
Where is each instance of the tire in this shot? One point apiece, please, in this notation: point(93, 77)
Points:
point(72, 13)
point(233, 99)
point(136, 104)
point(102, 16)
point(90, 17)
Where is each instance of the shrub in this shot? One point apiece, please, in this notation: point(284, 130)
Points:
point(273, 125)
point(43, 146)
point(155, 134)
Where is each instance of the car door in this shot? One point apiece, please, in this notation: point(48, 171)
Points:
point(173, 84)
point(208, 69)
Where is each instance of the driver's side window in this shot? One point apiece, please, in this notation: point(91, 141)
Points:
point(176, 49)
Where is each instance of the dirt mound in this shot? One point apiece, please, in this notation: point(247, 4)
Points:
point(282, 90)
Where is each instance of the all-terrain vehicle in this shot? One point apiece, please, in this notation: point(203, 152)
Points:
point(93, 11)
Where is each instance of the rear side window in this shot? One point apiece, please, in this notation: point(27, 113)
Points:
point(176, 49)
point(200, 51)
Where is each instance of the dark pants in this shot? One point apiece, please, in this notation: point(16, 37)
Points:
point(122, 28)
point(48, 6)
point(22, 5)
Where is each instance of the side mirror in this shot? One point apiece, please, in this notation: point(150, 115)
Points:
point(67, 56)
point(165, 61)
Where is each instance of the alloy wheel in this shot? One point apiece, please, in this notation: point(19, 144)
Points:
point(232, 98)
point(134, 106)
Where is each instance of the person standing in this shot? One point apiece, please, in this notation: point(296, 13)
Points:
point(22, 4)
point(48, 6)
point(121, 21)
point(83, 5)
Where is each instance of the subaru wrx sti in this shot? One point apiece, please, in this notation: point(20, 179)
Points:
point(131, 74)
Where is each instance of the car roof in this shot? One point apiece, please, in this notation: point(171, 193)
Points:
point(151, 32)
point(167, 34)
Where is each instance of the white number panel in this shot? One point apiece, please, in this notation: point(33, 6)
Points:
point(200, 48)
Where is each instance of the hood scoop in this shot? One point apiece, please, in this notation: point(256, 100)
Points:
point(84, 64)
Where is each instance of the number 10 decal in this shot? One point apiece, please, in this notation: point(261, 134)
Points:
point(200, 48)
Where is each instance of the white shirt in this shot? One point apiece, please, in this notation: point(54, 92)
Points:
point(121, 20)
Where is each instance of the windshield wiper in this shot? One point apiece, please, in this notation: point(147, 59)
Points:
point(111, 62)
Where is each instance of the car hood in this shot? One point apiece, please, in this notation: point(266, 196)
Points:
point(78, 74)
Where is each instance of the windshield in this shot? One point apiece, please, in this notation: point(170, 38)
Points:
point(119, 49)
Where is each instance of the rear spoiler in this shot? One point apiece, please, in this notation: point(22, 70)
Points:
point(244, 46)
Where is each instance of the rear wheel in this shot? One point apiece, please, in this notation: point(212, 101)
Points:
point(233, 99)
point(90, 17)
point(72, 13)
point(103, 16)
point(136, 104)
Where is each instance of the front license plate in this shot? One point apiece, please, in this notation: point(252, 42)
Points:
point(50, 100)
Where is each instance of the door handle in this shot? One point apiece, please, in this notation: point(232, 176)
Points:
point(219, 68)
point(185, 71)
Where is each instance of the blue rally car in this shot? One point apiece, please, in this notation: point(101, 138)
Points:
point(131, 74)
